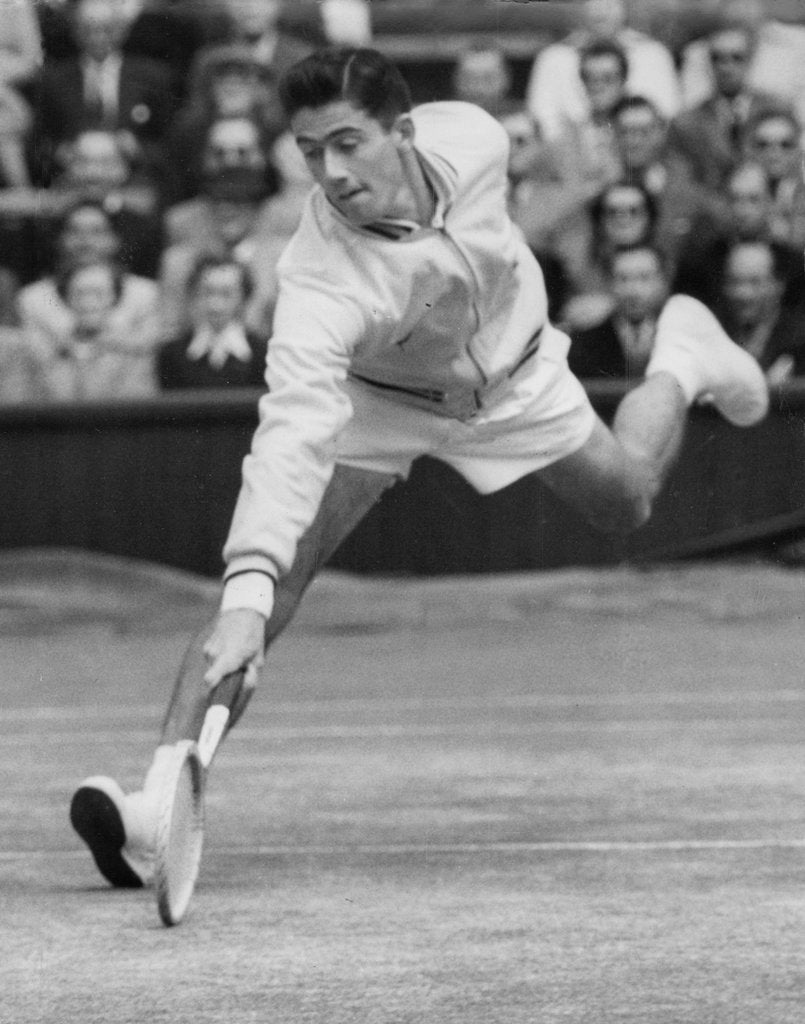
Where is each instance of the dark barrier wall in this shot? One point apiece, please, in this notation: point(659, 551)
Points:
point(158, 480)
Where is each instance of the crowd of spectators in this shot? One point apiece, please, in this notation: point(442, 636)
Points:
point(148, 184)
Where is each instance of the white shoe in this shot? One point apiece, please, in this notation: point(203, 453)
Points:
point(119, 830)
point(692, 346)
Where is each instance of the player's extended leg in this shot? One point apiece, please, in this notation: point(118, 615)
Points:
point(614, 478)
point(119, 828)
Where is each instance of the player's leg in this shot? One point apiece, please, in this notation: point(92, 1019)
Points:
point(616, 475)
point(119, 828)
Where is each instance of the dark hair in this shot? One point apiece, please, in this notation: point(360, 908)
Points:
point(65, 277)
point(208, 262)
point(605, 48)
point(363, 77)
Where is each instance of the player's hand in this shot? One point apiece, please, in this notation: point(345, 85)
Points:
point(237, 642)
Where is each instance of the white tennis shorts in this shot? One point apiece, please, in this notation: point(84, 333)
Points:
point(538, 416)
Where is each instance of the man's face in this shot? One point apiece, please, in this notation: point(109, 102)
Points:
point(233, 143)
point(640, 136)
point(253, 17)
point(730, 54)
point(88, 237)
point(96, 163)
point(625, 216)
point(775, 145)
point(483, 78)
point(355, 159)
point(100, 27)
point(219, 296)
point(750, 287)
point(91, 296)
point(603, 81)
point(638, 285)
point(749, 202)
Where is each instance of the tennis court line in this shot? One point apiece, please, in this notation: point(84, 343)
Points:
point(672, 698)
point(446, 849)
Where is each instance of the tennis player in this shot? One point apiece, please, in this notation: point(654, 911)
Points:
point(411, 320)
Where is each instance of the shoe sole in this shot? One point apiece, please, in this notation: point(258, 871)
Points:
point(97, 820)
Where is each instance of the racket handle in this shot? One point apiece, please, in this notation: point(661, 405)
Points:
point(226, 692)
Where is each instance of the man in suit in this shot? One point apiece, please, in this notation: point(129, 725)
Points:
point(102, 87)
point(621, 345)
point(712, 134)
point(752, 311)
point(700, 269)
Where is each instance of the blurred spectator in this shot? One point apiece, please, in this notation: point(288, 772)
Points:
point(701, 263)
point(347, 22)
point(97, 166)
point(227, 81)
point(682, 204)
point(752, 312)
point(623, 216)
point(778, 62)
point(552, 181)
point(256, 24)
point(237, 214)
point(90, 335)
point(102, 87)
point(712, 134)
point(621, 345)
point(773, 139)
point(555, 94)
point(219, 350)
point(482, 76)
point(20, 60)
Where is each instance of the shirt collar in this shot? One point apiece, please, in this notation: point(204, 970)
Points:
point(231, 342)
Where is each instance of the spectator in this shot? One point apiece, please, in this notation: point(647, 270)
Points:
point(682, 205)
point(98, 167)
point(220, 350)
point(701, 263)
point(347, 22)
point(89, 346)
point(778, 60)
point(624, 215)
point(256, 24)
point(712, 134)
point(87, 237)
point(751, 310)
point(20, 60)
point(482, 76)
point(773, 139)
point(103, 88)
point(553, 181)
point(237, 214)
point(555, 94)
point(621, 345)
point(227, 81)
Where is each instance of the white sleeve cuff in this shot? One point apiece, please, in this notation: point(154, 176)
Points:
point(253, 590)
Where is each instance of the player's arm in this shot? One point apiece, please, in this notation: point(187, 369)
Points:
point(290, 463)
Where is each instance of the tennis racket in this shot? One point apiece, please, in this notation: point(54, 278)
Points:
point(180, 816)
